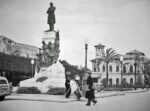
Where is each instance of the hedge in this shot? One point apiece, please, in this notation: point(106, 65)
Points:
point(56, 91)
point(28, 90)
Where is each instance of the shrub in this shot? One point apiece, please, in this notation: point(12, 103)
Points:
point(56, 91)
point(28, 90)
point(41, 79)
point(117, 89)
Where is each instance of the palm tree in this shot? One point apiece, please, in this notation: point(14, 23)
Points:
point(138, 64)
point(138, 61)
point(110, 55)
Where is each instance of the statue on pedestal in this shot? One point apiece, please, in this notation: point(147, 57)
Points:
point(50, 49)
point(51, 17)
point(48, 69)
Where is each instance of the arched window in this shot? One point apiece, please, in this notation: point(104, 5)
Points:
point(110, 81)
point(94, 69)
point(131, 80)
point(94, 66)
point(124, 69)
point(117, 68)
point(117, 81)
point(98, 69)
point(110, 68)
point(103, 68)
point(124, 80)
point(131, 69)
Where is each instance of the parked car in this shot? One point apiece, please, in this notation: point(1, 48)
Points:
point(4, 88)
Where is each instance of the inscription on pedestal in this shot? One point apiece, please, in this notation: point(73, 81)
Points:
point(49, 37)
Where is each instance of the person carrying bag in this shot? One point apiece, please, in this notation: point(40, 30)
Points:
point(90, 91)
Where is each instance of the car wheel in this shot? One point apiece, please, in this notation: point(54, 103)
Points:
point(2, 98)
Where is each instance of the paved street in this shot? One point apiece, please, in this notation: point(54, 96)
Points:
point(128, 102)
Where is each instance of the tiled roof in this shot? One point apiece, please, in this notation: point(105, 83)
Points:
point(99, 45)
point(135, 52)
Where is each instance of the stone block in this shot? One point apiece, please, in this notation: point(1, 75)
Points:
point(49, 36)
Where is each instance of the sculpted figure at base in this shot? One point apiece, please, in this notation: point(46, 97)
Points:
point(50, 53)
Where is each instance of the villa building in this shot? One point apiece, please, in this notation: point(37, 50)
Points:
point(116, 71)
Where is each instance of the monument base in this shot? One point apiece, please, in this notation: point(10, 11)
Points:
point(55, 77)
point(49, 37)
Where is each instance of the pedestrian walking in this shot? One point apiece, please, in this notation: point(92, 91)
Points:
point(90, 92)
point(78, 91)
point(68, 88)
point(146, 82)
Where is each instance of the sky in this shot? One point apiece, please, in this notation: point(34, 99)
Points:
point(123, 25)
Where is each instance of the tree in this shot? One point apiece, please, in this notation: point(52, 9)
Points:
point(73, 69)
point(110, 55)
point(147, 67)
point(137, 62)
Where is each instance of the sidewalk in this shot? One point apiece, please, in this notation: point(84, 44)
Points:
point(62, 99)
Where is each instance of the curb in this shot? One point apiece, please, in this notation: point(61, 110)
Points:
point(136, 91)
point(22, 97)
point(64, 100)
point(40, 100)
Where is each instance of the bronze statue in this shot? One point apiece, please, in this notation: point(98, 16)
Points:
point(51, 17)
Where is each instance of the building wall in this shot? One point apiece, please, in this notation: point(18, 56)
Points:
point(27, 50)
point(128, 75)
point(114, 76)
point(6, 45)
point(2, 45)
point(10, 47)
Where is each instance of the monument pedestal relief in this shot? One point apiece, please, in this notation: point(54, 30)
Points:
point(47, 65)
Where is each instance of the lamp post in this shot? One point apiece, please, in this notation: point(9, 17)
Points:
point(32, 62)
point(121, 61)
point(84, 77)
point(86, 47)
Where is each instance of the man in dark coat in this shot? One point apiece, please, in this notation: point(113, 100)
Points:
point(68, 88)
point(51, 17)
point(146, 82)
point(90, 93)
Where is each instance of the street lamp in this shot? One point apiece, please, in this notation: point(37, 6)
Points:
point(84, 76)
point(121, 60)
point(86, 47)
point(32, 62)
point(86, 41)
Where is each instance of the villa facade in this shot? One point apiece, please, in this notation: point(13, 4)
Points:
point(116, 71)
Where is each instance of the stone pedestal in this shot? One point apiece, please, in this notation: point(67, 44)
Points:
point(55, 78)
point(54, 72)
point(49, 37)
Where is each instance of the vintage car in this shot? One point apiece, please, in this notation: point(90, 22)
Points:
point(4, 88)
